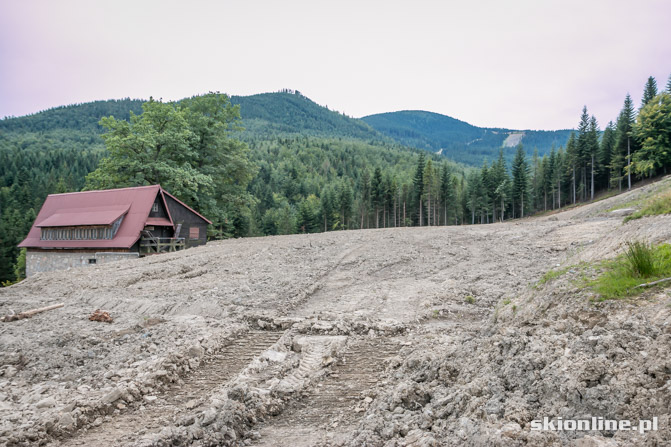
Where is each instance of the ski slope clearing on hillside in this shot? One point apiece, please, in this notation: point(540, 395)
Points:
point(408, 336)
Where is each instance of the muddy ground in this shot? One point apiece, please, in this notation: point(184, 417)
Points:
point(409, 336)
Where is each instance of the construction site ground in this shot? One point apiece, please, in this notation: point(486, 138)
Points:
point(402, 336)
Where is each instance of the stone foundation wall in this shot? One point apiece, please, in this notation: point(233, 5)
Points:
point(47, 261)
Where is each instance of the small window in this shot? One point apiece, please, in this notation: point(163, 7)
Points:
point(154, 208)
point(92, 261)
point(194, 233)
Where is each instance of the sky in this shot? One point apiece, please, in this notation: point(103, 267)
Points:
point(526, 64)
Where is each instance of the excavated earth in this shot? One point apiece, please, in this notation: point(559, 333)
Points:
point(396, 337)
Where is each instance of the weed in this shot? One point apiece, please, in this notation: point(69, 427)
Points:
point(514, 308)
point(551, 275)
point(506, 301)
point(660, 204)
point(470, 299)
point(619, 277)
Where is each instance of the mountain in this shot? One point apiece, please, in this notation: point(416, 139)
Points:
point(80, 117)
point(265, 115)
point(459, 140)
point(290, 113)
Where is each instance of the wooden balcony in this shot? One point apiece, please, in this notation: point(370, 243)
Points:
point(155, 245)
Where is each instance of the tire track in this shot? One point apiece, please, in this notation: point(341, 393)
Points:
point(334, 406)
point(128, 428)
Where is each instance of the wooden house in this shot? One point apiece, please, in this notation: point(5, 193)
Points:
point(95, 227)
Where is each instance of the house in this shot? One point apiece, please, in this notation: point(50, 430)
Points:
point(96, 227)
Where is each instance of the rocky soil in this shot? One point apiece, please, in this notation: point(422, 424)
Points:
point(410, 336)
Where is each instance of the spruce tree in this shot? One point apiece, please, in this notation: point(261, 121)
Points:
point(418, 184)
point(520, 170)
point(593, 147)
point(650, 91)
point(377, 194)
point(605, 153)
point(572, 160)
point(624, 144)
point(584, 151)
point(429, 190)
point(446, 191)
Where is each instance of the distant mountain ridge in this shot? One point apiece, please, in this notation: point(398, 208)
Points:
point(458, 140)
point(289, 114)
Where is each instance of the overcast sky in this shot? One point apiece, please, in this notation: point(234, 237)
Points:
point(516, 64)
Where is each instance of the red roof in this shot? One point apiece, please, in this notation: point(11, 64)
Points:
point(99, 208)
point(95, 215)
point(159, 221)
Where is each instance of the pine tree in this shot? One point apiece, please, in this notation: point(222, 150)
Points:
point(593, 147)
point(668, 85)
point(605, 153)
point(446, 191)
point(624, 146)
point(429, 181)
point(418, 184)
point(520, 185)
point(377, 194)
point(649, 92)
point(497, 175)
point(365, 194)
point(584, 151)
point(572, 160)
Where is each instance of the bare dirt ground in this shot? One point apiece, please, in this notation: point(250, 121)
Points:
point(409, 336)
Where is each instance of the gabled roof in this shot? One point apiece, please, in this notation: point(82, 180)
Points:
point(95, 215)
point(99, 208)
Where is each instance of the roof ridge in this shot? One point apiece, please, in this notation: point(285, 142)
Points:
point(106, 190)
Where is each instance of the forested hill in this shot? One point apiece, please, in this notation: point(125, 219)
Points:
point(265, 115)
point(81, 117)
point(290, 113)
point(459, 140)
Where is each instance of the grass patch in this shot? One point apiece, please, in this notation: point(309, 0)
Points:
point(660, 204)
point(640, 264)
point(551, 275)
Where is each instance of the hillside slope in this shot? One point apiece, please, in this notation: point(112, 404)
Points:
point(424, 336)
point(459, 140)
point(264, 115)
point(280, 114)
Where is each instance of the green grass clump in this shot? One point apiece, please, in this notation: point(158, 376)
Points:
point(660, 204)
point(641, 263)
point(640, 259)
point(551, 275)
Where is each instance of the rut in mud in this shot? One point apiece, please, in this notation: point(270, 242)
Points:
point(335, 405)
point(130, 427)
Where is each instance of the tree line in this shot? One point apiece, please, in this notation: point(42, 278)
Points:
point(636, 146)
point(284, 184)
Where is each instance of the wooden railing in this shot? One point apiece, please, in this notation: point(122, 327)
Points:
point(153, 245)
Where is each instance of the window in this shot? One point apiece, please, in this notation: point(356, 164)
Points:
point(79, 233)
point(194, 233)
point(154, 207)
point(92, 261)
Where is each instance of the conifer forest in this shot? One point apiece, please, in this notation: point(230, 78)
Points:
point(280, 164)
